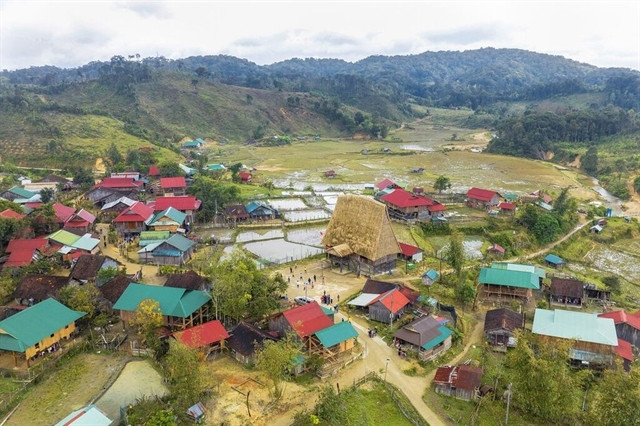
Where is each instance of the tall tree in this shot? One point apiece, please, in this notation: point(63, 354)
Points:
point(46, 195)
point(186, 375)
point(214, 195)
point(276, 359)
point(169, 168)
point(615, 400)
point(442, 183)
point(455, 255)
point(589, 161)
point(113, 155)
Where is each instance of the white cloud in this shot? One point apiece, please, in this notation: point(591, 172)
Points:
point(66, 33)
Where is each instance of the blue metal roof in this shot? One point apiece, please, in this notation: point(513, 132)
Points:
point(552, 258)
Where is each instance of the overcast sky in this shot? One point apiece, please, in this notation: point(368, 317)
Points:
point(72, 33)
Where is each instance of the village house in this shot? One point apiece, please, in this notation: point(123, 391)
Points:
point(11, 214)
point(114, 208)
point(507, 208)
point(245, 339)
point(383, 300)
point(187, 204)
point(132, 220)
point(20, 195)
point(500, 326)
point(410, 253)
point(627, 326)
point(236, 213)
point(82, 221)
point(462, 382)
point(209, 336)
point(330, 174)
point(387, 184)
point(180, 308)
point(111, 290)
point(508, 283)
point(245, 177)
point(429, 277)
point(495, 250)
point(554, 261)
point(173, 186)
point(87, 416)
point(169, 219)
point(33, 289)
point(482, 198)
point(101, 196)
point(38, 329)
point(176, 250)
point(593, 339)
point(335, 344)
point(425, 336)
point(23, 252)
point(303, 320)
point(260, 210)
point(359, 236)
point(189, 280)
point(567, 292)
point(405, 205)
point(194, 144)
point(121, 184)
point(74, 243)
point(88, 266)
point(150, 237)
point(63, 213)
point(536, 270)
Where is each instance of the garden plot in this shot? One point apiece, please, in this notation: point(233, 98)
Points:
point(305, 215)
point(614, 262)
point(280, 251)
point(244, 237)
point(309, 236)
point(471, 245)
point(288, 204)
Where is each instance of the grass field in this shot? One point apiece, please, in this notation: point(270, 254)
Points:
point(370, 403)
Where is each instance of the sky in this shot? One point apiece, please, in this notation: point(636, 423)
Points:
point(72, 33)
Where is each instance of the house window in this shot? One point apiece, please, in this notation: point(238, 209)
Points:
point(51, 335)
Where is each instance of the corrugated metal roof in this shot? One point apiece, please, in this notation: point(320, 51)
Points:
point(431, 274)
point(173, 301)
point(337, 333)
point(552, 258)
point(64, 237)
point(363, 300)
point(509, 278)
point(86, 242)
point(28, 327)
point(575, 325)
point(202, 335)
point(520, 267)
point(168, 216)
point(444, 333)
point(87, 416)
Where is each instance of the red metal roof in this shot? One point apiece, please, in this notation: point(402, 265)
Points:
point(394, 301)
point(624, 350)
point(408, 249)
point(24, 244)
point(20, 257)
point(153, 170)
point(128, 183)
point(507, 206)
point(385, 183)
point(462, 377)
point(437, 207)
point(496, 247)
point(33, 205)
point(63, 213)
point(481, 194)
point(622, 317)
point(179, 203)
point(10, 214)
point(173, 182)
point(202, 335)
point(307, 319)
point(244, 176)
point(138, 212)
point(402, 198)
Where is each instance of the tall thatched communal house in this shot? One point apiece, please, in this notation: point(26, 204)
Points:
point(359, 236)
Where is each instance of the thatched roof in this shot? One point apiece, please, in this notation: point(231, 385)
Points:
point(364, 225)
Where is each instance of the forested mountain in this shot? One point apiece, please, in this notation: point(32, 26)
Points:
point(66, 112)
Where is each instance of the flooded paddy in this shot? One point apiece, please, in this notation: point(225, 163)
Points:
point(614, 262)
point(308, 236)
point(280, 251)
point(304, 215)
point(244, 237)
point(471, 244)
point(287, 204)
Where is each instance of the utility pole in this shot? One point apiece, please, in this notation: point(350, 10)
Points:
point(506, 420)
point(385, 369)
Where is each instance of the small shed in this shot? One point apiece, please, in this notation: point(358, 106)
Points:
point(554, 261)
point(196, 412)
point(462, 381)
point(567, 292)
point(429, 277)
point(500, 326)
point(245, 339)
point(410, 252)
point(495, 250)
point(330, 174)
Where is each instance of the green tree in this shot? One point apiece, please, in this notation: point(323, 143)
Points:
point(106, 274)
point(636, 184)
point(147, 319)
point(442, 183)
point(82, 298)
point(589, 161)
point(465, 293)
point(113, 155)
point(43, 220)
point(46, 195)
point(546, 228)
point(543, 384)
point(454, 254)
point(615, 400)
point(83, 177)
point(186, 375)
point(612, 283)
point(214, 195)
point(7, 287)
point(276, 359)
point(169, 168)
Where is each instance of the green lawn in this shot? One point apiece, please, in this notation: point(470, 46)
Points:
point(369, 406)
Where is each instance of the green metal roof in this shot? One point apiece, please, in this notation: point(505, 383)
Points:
point(508, 277)
point(155, 235)
point(327, 311)
point(510, 196)
point(180, 242)
point(86, 242)
point(444, 333)
point(28, 327)
point(336, 333)
point(216, 167)
point(173, 215)
point(64, 237)
point(575, 325)
point(520, 267)
point(552, 258)
point(175, 302)
point(23, 193)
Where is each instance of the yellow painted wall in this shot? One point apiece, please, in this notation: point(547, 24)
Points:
point(63, 333)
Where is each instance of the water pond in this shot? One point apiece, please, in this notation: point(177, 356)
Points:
point(287, 204)
point(244, 237)
point(280, 251)
point(304, 215)
point(308, 236)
